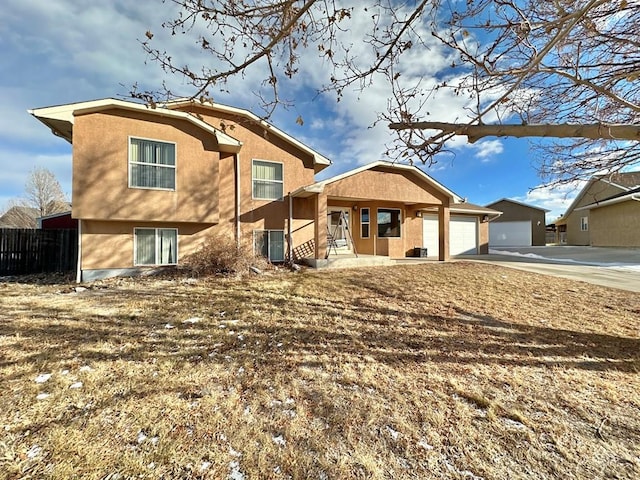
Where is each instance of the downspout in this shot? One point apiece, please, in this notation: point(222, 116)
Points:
point(237, 159)
point(290, 246)
point(79, 262)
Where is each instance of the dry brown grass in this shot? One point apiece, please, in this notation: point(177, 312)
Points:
point(457, 370)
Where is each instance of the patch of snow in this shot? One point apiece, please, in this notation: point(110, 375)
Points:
point(141, 436)
point(514, 424)
point(279, 440)
point(464, 473)
point(34, 452)
point(623, 266)
point(168, 326)
point(393, 433)
point(235, 472)
point(234, 453)
point(86, 368)
point(193, 320)
point(289, 401)
point(204, 466)
point(240, 370)
point(43, 396)
point(43, 377)
point(76, 385)
point(64, 372)
point(279, 345)
point(423, 444)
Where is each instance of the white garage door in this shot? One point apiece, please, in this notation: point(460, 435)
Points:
point(463, 235)
point(510, 234)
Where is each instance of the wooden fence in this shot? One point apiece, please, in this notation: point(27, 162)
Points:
point(25, 251)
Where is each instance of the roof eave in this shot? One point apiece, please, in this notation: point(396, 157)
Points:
point(319, 160)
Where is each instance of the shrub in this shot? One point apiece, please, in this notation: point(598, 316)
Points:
point(220, 255)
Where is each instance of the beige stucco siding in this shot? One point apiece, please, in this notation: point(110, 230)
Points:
point(101, 170)
point(595, 192)
point(616, 225)
point(109, 245)
point(385, 185)
point(259, 144)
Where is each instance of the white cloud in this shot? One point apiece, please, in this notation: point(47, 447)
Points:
point(487, 149)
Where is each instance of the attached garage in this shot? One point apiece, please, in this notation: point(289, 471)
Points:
point(510, 234)
point(463, 235)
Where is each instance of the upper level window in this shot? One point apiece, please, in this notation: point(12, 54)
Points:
point(267, 179)
point(584, 224)
point(152, 164)
point(389, 221)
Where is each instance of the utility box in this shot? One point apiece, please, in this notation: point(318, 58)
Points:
point(419, 252)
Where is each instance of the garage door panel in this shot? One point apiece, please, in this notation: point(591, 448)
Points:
point(463, 235)
point(510, 234)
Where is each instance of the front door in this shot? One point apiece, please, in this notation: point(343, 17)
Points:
point(339, 238)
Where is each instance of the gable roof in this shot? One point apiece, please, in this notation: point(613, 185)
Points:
point(60, 119)
point(624, 181)
point(489, 205)
point(627, 196)
point(318, 159)
point(318, 187)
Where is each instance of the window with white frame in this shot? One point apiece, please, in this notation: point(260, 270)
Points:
point(152, 164)
point(156, 246)
point(268, 180)
point(584, 224)
point(269, 244)
point(389, 221)
point(365, 222)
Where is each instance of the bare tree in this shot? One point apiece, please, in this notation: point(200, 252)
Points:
point(44, 193)
point(519, 63)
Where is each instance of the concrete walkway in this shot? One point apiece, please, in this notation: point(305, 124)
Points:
point(609, 267)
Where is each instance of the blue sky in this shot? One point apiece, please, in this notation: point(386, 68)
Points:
point(61, 51)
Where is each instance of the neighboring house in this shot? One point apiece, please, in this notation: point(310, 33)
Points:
point(19, 217)
point(520, 225)
point(151, 184)
point(605, 213)
point(58, 220)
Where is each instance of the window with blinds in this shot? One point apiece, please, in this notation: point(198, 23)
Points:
point(268, 180)
point(152, 164)
point(156, 246)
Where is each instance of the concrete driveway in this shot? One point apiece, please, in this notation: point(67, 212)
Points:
point(610, 267)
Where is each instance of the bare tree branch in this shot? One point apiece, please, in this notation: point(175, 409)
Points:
point(474, 132)
point(560, 63)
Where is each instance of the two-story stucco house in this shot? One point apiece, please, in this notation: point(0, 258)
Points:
point(150, 184)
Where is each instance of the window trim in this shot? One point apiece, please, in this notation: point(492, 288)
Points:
point(155, 249)
point(367, 223)
point(253, 197)
point(584, 224)
point(131, 162)
point(269, 230)
point(399, 210)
